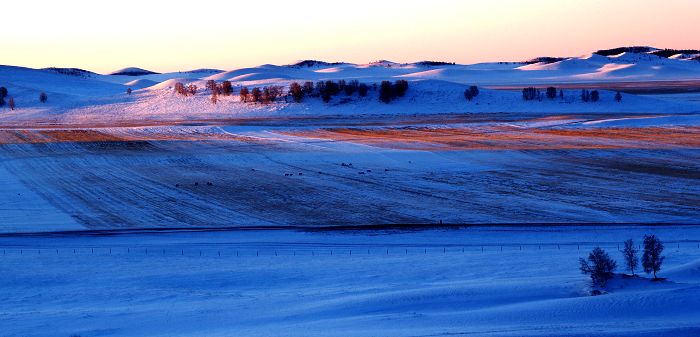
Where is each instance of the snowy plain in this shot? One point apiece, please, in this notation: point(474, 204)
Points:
point(95, 182)
point(484, 281)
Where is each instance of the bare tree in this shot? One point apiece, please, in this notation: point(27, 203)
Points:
point(244, 94)
point(211, 85)
point(630, 253)
point(256, 94)
point(652, 258)
point(296, 91)
point(227, 88)
point(599, 265)
point(192, 89)
point(180, 89)
point(11, 103)
point(618, 97)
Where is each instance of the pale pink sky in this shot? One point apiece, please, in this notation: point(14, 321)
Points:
point(180, 35)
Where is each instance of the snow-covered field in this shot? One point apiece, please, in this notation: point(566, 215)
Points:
point(96, 158)
point(525, 282)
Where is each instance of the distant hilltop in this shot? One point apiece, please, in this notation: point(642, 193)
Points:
point(133, 71)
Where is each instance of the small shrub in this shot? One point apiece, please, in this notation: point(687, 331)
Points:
point(468, 95)
point(128, 91)
point(43, 97)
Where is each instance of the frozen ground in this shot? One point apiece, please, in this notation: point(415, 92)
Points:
point(566, 169)
point(525, 282)
point(95, 158)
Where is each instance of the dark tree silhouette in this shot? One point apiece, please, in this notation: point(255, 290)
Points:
point(3, 92)
point(362, 90)
point(386, 92)
point(128, 91)
point(474, 90)
point(296, 91)
point(43, 97)
point(468, 95)
point(585, 95)
point(561, 94)
point(326, 96)
point(618, 97)
point(400, 87)
point(551, 92)
point(211, 85)
point(256, 94)
point(630, 254)
point(308, 88)
point(351, 87)
point(652, 258)
point(243, 94)
point(227, 88)
point(599, 265)
point(531, 93)
point(595, 96)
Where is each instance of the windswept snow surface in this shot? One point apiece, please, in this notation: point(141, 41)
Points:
point(502, 281)
point(93, 158)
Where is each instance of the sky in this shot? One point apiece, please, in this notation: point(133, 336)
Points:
point(179, 35)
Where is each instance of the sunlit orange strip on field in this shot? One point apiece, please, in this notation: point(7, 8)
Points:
point(512, 138)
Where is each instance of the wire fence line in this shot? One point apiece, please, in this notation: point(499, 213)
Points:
point(193, 251)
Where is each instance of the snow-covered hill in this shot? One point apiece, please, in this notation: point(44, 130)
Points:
point(435, 87)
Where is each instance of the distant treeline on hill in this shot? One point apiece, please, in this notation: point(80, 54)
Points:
point(666, 53)
point(71, 71)
point(545, 59)
point(297, 92)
